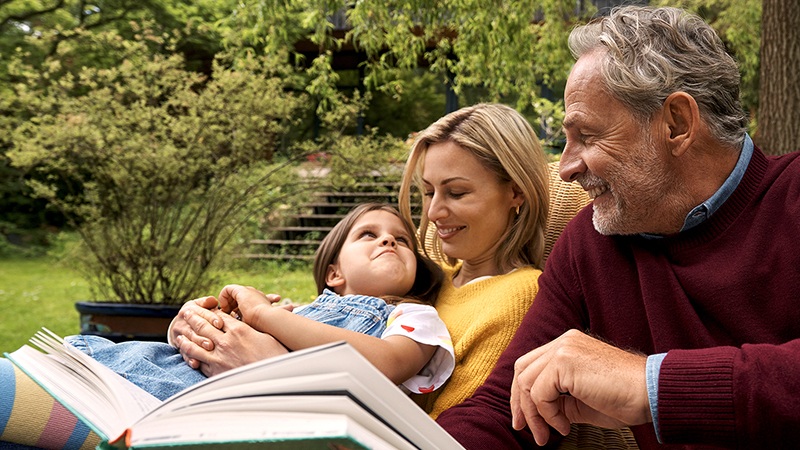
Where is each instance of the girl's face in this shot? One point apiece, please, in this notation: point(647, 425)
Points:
point(376, 259)
point(470, 207)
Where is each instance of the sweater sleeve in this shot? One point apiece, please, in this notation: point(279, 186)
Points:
point(731, 397)
point(484, 420)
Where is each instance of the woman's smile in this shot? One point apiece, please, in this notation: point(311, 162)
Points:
point(447, 232)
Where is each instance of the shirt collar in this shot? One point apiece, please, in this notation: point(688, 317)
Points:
point(704, 210)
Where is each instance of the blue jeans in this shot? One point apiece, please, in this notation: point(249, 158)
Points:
point(159, 369)
point(156, 367)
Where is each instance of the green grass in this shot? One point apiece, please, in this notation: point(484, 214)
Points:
point(41, 291)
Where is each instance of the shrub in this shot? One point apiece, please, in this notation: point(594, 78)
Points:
point(155, 166)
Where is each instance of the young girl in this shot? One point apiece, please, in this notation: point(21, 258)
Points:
point(371, 280)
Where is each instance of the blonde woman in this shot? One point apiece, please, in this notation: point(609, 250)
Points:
point(484, 183)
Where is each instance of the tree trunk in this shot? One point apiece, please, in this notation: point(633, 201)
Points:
point(779, 92)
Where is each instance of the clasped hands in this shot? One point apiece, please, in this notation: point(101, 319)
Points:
point(578, 379)
point(212, 340)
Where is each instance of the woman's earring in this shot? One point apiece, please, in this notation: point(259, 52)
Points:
point(517, 209)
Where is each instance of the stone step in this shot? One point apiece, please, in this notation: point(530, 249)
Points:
point(329, 208)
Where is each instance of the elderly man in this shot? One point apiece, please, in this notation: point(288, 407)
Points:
point(672, 304)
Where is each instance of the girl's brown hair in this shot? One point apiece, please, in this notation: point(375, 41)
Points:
point(429, 275)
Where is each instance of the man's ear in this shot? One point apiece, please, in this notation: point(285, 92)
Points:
point(682, 119)
point(333, 277)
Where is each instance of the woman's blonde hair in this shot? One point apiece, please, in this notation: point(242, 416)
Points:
point(504, 143)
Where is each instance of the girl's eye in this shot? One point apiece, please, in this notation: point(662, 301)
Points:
point(402, 240)
point(366, 234)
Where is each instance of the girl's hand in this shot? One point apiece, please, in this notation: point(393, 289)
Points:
point(244, 302)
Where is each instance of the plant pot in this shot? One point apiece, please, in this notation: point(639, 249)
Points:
point(120, 322)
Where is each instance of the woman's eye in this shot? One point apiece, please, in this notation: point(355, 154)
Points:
point(457, 194)
point(428, 194)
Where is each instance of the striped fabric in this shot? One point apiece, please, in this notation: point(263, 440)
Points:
point(39, 420)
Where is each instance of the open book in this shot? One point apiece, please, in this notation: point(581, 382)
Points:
point(325, 397)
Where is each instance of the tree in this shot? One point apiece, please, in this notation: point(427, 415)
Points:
point(779, 112)
point(510, 48)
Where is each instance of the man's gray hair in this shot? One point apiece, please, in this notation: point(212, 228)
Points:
point(652, 53)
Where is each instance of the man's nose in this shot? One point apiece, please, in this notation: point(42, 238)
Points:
point(571, 165)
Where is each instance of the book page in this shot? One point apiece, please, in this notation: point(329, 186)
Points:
point(231, 416)
point(108, 403)
point(259, 429)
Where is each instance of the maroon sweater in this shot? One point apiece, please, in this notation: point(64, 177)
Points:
point(722, 298)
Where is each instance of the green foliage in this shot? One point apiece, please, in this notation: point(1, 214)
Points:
point(421, 102)
point(352, 159)
point(43, 30)
point(509, 47)
point(155, 166)
point(54, 22)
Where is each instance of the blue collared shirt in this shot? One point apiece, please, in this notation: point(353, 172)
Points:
point(695, 217)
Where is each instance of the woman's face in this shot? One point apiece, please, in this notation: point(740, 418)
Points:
point(470, 207)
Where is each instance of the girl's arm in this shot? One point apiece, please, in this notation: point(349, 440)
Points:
point(398, 357)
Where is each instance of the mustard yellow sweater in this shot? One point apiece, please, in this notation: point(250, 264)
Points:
point(482, 317)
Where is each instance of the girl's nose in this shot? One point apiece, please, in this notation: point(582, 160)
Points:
point(389, 240)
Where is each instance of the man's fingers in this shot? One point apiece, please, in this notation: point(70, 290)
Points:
point(524, 411)
point(517, 418)
point(549, 397)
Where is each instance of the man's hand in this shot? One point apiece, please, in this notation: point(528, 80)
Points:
point(233, 345)
point(578, 379)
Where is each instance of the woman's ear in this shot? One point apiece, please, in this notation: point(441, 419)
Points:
point(333, 277)
point(682, 119)
point(518, 197)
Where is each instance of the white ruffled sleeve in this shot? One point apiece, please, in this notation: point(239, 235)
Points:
point(422, 324)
